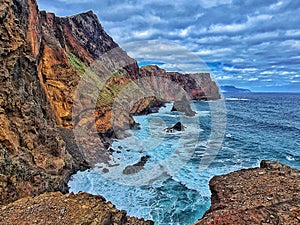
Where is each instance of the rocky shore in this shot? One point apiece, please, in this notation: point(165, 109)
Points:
point(69, 209)
point(60, 74)
point(269, 194)
point(44, 60)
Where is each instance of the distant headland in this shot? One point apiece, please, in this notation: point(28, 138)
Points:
point(233, 89)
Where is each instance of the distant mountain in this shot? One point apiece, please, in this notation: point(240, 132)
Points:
point(233, 89)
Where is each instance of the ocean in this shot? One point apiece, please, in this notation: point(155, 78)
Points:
point(224, 136)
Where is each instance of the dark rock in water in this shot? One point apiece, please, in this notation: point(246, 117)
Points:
point(105, 170)
point(111, 150)
point(137, 167)
point(183, 106)
point(135, 126)
point(177, 127)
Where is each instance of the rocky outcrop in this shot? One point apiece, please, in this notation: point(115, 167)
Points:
point(69, 209)
point(146, 106)
point(33, 157)
point(177, 127)
point(137, 167)
point(266, 195)
point(183, 105)
point(174, 85)
point(64, 74)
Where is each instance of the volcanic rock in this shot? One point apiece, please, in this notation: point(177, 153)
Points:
point(183, 105)
point(135, 168)
point(66, 90)
point(177, 127)
point(69, 209)
point(266, 195)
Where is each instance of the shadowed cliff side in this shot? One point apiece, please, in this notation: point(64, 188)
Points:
point(33, 157)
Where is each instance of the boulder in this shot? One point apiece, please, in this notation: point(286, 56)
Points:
point(177, 127)
point(183, 105)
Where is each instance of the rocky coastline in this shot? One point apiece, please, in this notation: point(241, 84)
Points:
point(269, 194)
point(44, 59)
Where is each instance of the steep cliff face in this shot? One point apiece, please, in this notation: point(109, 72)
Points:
point(33, 158)
point(266, 195)
point(69, 46)
point(60, 74)
point(43, 59)
point(198, 86)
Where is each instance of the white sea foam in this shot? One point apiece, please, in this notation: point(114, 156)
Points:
point(290, 158)
point(237, 99)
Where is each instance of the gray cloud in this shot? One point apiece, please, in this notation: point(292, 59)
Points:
point(233, 36)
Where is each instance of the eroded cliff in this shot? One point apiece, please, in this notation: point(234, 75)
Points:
point(33, 157)
point(197, 86)
point(64, 74)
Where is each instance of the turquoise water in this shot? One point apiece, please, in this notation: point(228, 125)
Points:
point(173, 186)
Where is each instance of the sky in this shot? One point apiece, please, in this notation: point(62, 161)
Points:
point(250, 44)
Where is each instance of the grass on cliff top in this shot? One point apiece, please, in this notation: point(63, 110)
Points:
point(82, 70)
point(111, 89)
point(77, 64)
point(107, 88)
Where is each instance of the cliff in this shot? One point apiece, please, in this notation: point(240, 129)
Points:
point(45, 62)
point(43, 59)
point(33, 156)
point(266, 195)
point(232, 89)
point(60, 74)
point(197, 86)
point(64, 74)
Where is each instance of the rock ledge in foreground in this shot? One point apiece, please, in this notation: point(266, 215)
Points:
point(69, 209)
point(266, 195)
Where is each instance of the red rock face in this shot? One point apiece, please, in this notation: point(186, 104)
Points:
point(198, 86)
point(33, 157)
point(266, 195)
point(44, 60)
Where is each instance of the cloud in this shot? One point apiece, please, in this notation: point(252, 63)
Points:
point(76, 1)
point(253, 79)
point(234, 37)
